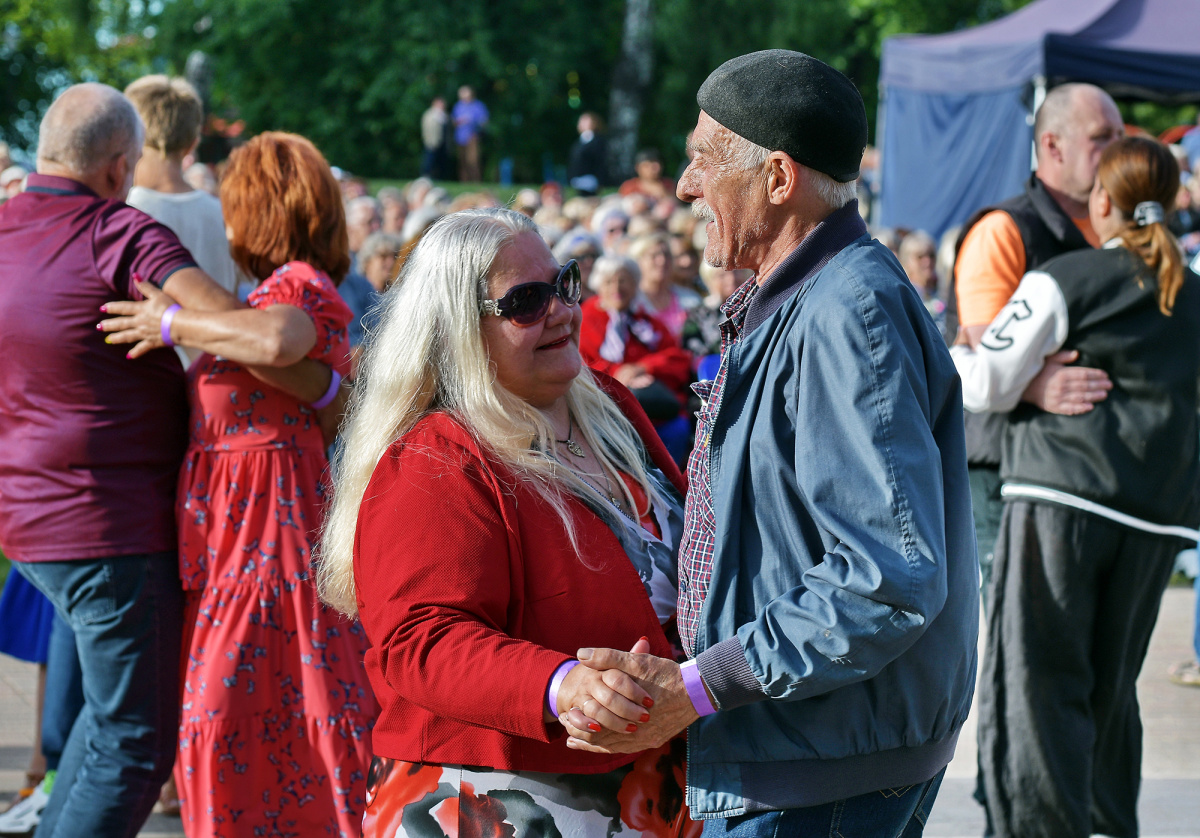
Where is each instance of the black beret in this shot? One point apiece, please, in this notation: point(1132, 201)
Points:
point(791, 102)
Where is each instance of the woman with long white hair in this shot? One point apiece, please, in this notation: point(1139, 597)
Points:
point(497, 506)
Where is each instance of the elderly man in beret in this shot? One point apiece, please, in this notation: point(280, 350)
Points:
point(828, 590)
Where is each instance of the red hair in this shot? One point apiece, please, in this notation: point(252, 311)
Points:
point(1137, 169)
point(282, 203)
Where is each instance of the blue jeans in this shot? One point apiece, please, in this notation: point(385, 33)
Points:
point(890, 813)
point(64, 692)
point(126, 613)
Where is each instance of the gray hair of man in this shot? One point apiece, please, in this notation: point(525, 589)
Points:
point(379, 242)
point(745, 155)
point(82, 136)
point(428, 355)
point(611, 264)
point(393, 194)
point(360, 207)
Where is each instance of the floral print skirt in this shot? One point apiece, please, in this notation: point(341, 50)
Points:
point(420, 800)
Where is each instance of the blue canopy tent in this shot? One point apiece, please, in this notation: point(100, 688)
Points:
point(956, 110)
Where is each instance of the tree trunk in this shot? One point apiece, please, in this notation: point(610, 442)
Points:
point(631, 78)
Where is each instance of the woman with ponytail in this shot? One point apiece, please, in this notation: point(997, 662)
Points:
point(1097, 506)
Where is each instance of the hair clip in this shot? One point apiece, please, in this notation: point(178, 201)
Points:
point(1148, 212)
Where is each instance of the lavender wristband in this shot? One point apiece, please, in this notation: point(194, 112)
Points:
point(335, 381)
point(555, 683)
point(695, 688)
point(164, 326)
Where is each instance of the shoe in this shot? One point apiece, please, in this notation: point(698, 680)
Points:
point(23, 818)
point(1187, 673)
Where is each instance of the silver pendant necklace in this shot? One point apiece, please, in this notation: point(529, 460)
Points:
point(574, 447)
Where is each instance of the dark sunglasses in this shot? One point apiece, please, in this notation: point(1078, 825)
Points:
point(528, 303)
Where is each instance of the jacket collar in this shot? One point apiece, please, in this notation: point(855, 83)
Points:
point(827, 239)
point(1052, 215)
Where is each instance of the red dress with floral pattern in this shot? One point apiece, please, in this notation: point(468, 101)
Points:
point(277, 710)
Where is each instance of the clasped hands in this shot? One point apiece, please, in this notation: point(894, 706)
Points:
point(618, 702)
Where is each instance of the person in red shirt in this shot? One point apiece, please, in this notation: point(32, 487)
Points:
point(618, 338)
point(497, 506)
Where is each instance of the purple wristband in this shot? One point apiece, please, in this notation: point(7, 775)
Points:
point(556, 682)
point(695, 688)
point(164, 326)
point(335, 381)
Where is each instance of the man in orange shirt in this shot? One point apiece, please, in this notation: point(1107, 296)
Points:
point(1074, 125)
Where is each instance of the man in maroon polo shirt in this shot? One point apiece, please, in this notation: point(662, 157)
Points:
point(90, 449)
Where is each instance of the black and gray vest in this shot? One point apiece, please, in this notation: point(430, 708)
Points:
point(1046, 232)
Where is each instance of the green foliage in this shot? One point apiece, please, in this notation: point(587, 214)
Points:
point(1155, 117)
point(695, 36)
point(355, 78)
point(46, 45)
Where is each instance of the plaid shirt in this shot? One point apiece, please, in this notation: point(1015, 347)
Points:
point(699, 520)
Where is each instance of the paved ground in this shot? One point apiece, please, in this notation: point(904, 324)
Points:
point(1170, 802)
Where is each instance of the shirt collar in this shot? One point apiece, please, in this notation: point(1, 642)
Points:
point(55, 185)
point(738, 304)
point(827, 239)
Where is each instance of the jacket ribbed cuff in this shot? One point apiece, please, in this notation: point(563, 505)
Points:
point(728, 675)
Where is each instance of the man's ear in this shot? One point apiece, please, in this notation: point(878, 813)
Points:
point(1049, 146)
point(783, 178)
point(113, 175)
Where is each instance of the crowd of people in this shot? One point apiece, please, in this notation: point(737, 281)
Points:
point(651, 510)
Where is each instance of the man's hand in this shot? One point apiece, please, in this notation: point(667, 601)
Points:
point(673, 710)
point(1067, 390)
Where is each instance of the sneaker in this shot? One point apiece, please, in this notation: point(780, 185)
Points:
point(1186, 673)
point(23, 818)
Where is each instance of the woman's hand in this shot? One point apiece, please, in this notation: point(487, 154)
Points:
point(609, 699)
point(139, 323)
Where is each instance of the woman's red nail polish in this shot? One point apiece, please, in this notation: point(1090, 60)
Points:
point(645, 638)
point(104, 309)
point(630, 728)
point(592, 726)
point(645, 718)
point(647, 702)
point(99, 328)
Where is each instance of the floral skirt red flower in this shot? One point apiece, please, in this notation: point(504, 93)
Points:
point(417, 800)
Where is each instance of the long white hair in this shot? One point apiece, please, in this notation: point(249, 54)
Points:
point(428, 355)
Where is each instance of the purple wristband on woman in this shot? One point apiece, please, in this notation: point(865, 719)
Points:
point(335, 381)
point(695, 688)
point(164, 325)
point(555, 683)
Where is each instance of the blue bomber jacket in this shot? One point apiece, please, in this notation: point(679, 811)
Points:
point(839, 629)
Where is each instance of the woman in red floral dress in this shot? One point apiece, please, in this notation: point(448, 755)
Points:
point(277, 710)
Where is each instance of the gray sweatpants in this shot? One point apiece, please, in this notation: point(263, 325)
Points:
point(1074, 598)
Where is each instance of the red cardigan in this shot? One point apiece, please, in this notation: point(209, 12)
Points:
point(471, 597)
point(666, 362)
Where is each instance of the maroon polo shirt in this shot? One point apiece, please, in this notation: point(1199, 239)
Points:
point(90, 442)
